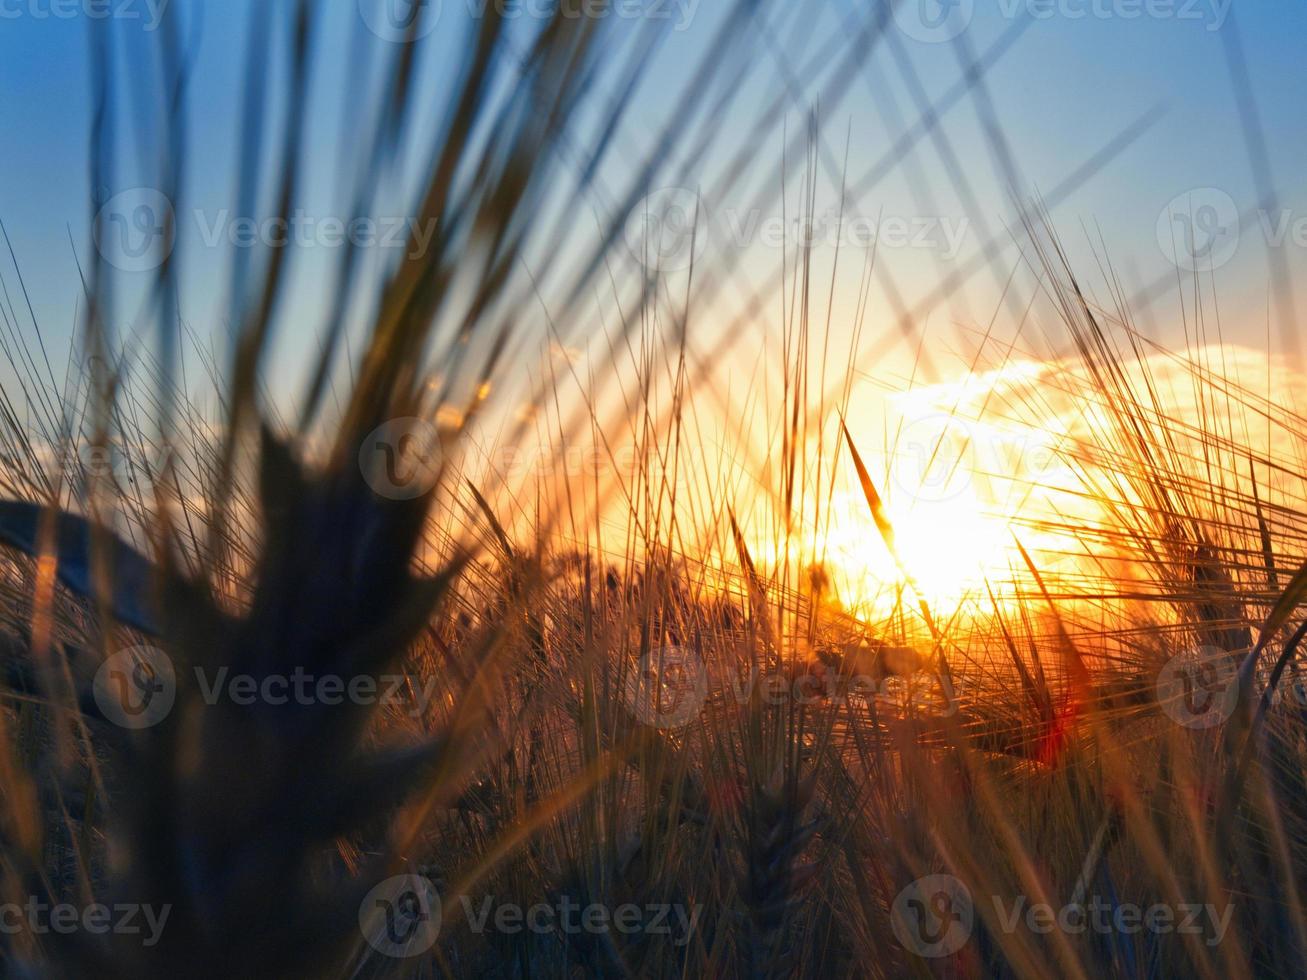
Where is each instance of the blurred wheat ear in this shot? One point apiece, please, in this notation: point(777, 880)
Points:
point(262, 827)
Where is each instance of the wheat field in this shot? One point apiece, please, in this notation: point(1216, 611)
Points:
point(555, 594)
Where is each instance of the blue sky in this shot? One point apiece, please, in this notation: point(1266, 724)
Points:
point(1076, 77)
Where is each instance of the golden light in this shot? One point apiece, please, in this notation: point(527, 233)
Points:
point(958, 486)
point(948, 550)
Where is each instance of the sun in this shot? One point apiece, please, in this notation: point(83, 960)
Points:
point(945, 550)
point(950, 550)
point(958, 490)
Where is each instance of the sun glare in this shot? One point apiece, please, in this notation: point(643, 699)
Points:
point(953, 548)
point(959, 487)
point(947, 550)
